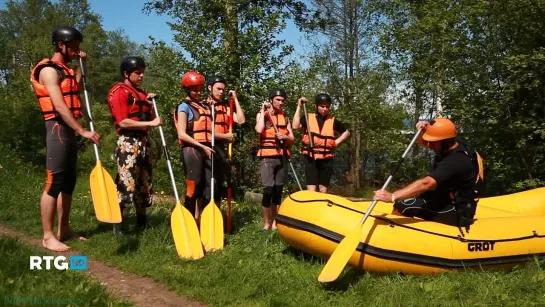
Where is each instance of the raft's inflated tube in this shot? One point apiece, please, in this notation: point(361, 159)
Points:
point(508, 230)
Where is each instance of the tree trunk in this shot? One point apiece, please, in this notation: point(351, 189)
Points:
point(231, 40)
point(355, 141)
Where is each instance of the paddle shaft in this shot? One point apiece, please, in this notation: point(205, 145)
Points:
point(212, 155)
point(229, 156)
point(311, 141)
point(230, 149)
point(284, 149)
point(308, 130)
point(84, 79)
point(392, 175)
point(163, 142)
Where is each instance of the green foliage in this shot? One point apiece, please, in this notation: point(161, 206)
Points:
point(484, 61)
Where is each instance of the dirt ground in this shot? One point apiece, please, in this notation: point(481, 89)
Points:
point(141, 291)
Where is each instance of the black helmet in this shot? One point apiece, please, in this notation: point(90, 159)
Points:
point(215, 79)
point(130, 63)
point(65, 34)
point(277, 92)
point(322, 98)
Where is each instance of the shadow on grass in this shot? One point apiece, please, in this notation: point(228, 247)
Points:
point(350, 277)
point(128, 245)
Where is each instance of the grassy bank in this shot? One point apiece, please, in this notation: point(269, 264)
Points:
point(24, 287)
point(255, 268)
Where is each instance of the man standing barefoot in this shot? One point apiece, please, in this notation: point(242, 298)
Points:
point(57, 87)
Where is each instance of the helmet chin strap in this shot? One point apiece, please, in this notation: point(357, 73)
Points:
point(132, 83)
point(191, 96)
point(65, 54)
point(444, 147)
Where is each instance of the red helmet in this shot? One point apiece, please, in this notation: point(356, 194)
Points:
point(192, 78)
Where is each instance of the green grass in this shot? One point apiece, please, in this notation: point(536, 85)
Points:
point(21, 286)
point(255, 268)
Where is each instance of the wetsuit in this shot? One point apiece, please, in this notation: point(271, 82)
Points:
point(271, 153)
point(61, 141)
point(197, 167)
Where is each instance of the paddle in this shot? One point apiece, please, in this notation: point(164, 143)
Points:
point(311, 141)
point(211, 218)
point(103, 189)
point(229, 156)
point(182, 223)
point(346, 247)
point(285, 152)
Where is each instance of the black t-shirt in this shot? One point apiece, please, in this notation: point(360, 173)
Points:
point(337, 125)
point(455, 171)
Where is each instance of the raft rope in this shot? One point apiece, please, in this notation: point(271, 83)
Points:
point(393, 223)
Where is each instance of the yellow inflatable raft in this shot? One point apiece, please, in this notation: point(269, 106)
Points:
point(508, 230)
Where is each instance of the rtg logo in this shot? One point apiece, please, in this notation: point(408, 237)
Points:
point(59, 262)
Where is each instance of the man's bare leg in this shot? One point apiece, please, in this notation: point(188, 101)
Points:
point(274, 213)
point(47, 211)
point(266, 218)
point(323, 188)
point(311, 188)
point(64, 232)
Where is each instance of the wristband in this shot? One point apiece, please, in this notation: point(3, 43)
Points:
point(393, 198)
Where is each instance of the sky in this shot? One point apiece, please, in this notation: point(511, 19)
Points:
point(128, 15)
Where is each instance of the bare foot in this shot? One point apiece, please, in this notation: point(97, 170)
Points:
point(69, 234)
point(266, 228)
point(55, 245)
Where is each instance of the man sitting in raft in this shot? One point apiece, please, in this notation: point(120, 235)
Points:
point(448, 194)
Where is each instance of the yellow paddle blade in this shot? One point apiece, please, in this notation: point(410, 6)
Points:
point(104, 194)
point(212, 227)
point(340, 256)
point(185, 233)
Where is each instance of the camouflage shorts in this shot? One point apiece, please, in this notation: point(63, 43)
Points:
point(134, 173)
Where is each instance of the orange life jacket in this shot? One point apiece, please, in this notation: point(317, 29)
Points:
point(221, 124)
point(269, 145)
point(68, 85)
point(323, 140)
point(200, 127)
point(139, 109)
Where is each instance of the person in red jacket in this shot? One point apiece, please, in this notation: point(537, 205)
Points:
point(57, 87)
point(322, 126)
point(133, 116)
